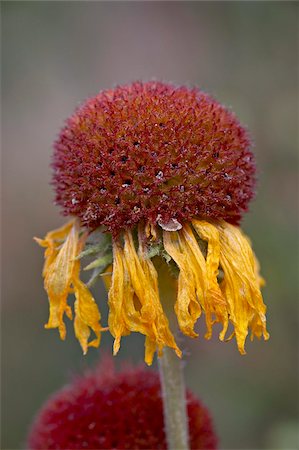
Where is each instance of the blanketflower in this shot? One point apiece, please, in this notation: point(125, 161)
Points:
point(165, 173)
point(107, 410)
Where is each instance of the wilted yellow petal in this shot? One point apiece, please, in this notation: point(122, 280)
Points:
point(142, 315)
point(58, 276)
point(152, 320)
point(241, 285)
point(107, 277)
point(119, 292)
point(214, 302)
point(187, 306)
point(134, 300)
point(141, 285)
point(150, 350)
point(52, 242)
point(87, 316)
point(164, 336)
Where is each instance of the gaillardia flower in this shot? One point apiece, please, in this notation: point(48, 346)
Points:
point(165, 173)
point(107, 410)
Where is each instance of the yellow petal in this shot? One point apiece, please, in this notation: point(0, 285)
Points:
point(141, 285)
point(134, 300)
point(58, 273)
point(241, 285)
point(52, 242)
point(87, 314)
point(187, 306)
point(107, 277)
point(214, 302)
point(61, 232)
point(119, 292)
point(164, 336)
point(150, 350)
point(151, 319)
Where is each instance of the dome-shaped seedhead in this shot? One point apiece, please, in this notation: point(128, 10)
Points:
point(152, 151)
point(104, 410)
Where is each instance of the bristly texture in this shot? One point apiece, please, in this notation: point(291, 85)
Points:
point(114, 411)
point(156, 152)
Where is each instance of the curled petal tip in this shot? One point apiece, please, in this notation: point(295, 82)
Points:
point(178, 352)
point(116, 346)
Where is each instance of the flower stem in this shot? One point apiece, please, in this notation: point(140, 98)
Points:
point(174, 400)
point(171, 369)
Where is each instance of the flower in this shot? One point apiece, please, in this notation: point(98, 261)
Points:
point(102, 410)
point(166, 173)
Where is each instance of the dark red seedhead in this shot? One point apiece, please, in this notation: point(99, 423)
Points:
point(114, 411)
point(152, 150)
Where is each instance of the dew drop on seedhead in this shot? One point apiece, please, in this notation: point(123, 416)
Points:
point(74, 201)
point(159, 175)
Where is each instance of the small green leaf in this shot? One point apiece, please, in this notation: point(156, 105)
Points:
point(90, 250)
point(98, 243)
point(104, 260)
point(166, 256)
point(154, 250)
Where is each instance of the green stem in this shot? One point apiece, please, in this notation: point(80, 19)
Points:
point(171, 369)
point(174, 400)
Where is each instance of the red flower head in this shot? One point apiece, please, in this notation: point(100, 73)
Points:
point(155, 152)
point(166, 172)
point(114, 411)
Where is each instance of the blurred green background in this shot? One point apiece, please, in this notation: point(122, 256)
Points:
point(56, 54)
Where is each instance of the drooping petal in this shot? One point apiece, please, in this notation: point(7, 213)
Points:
point(187, 306)
point(142, 286)
point(214, 301)
point(134, 300)
point(87, 314)
point(52, 242)
point(164, 335)
point(150, 350)
point(151, 320)
point(120, 291)
point(241, 285)
point(58, 274)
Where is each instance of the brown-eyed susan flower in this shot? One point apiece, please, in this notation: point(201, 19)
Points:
point(107, 410)
point(165, 173)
